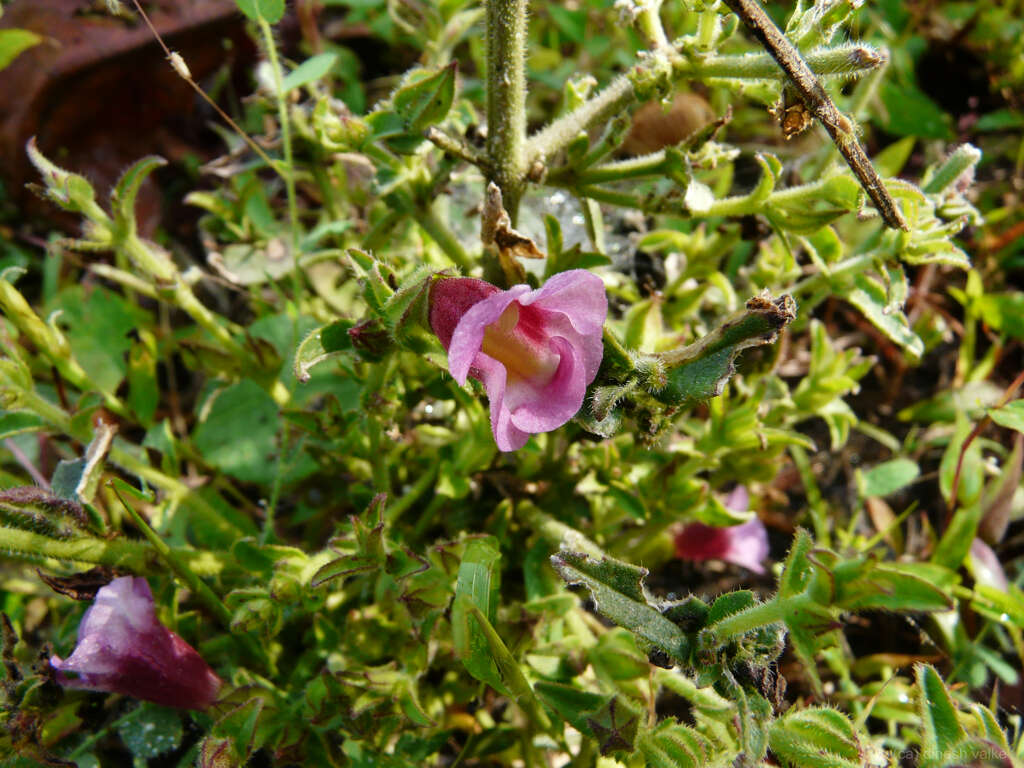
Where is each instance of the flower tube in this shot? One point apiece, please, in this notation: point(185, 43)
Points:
point(123, 648)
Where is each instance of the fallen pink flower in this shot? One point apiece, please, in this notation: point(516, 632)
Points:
point(123, 648)
point(745, 545)
point(534, 351)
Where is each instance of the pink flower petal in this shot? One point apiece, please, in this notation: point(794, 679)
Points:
point(122, 648)
point(469, 333)
point(745, 545)
point(544, 347)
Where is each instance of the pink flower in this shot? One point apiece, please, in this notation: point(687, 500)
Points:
point(534, 351)
point(122, 648)
point(745, 545)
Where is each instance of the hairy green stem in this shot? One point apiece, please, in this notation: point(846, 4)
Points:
point(180, 568)
point(844, 60)
point(506, 98)
point(115, 553)
point(426, 480)
point(755, 617)
point(286, 135)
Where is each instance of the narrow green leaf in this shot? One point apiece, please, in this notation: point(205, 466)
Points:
point(941, 730)
point(868, 295)
point(477, 585)
point(309, 71)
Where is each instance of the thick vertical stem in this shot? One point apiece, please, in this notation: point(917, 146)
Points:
point(506, 98)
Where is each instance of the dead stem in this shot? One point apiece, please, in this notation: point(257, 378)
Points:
point(821, 106)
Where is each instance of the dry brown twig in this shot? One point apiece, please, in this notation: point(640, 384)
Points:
point(821, 106)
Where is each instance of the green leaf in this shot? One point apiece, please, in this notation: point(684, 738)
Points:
point(78, 479)
point(269, 10)
point(674, 745)
point(309, 71)
point(97, 324)
point(14, 42)
point(238, 433)
point(866, 585)
point(17, 423)
point(887, 477)
point(573, 705)
point(909, 112)
point(816, 737)
point(370, 553)
point(941, 729)
point(1010, 415)
point(617, 589)
point(699, 371)
point(477, 584)
point(972, 470)
point(956, 539)
point(426, 101)
point(869, 296)
point(327, 342)
point(122, 199)
point(150, 731)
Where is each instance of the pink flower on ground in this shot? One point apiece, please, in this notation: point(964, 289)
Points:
point(745, 545)
point(534, 351)
point(122, 648)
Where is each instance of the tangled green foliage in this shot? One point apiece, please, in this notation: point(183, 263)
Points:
point(273, 440)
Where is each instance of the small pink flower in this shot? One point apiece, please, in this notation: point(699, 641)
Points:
point(122, 648)
point(745, 545)
point(534, 351)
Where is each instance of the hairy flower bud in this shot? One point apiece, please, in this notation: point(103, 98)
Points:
point(534, 351)
point(123, 648)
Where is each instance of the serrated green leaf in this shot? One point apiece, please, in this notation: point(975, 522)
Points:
point(617, 589)
point(699, 371)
